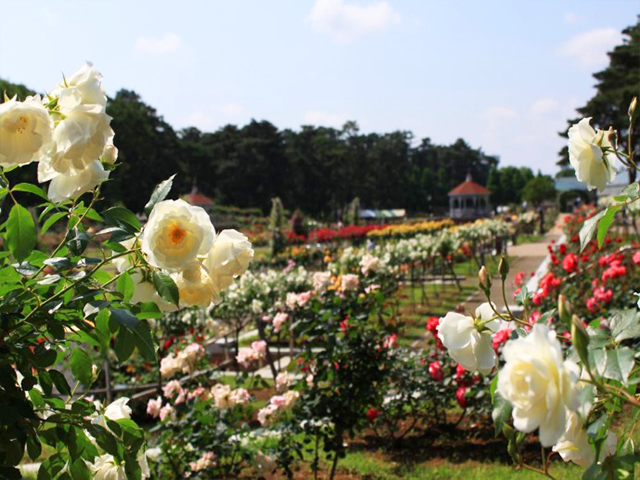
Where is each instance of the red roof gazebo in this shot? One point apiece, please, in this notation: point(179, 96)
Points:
point(469, 201)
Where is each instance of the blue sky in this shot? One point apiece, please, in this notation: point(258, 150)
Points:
point(504, 75)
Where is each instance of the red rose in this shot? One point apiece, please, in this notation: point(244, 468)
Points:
point(435, 370)
point(372, 414)
point(461, 393)
point(570, 263)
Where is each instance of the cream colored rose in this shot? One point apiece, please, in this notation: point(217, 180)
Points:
point(86, 82)
point(109, 154)
point(196, 287)
point(321, 280)
point(349, 282)
point(468, 340)
point(176, 234)
point(369, 263)
point(104, 467)
point(574, 445)
point(229, 257)
point(593, 166)
point(80, 138)
point(65, 186)
point(84, 129)
point(540, 385)
point(25, 131)
point(118, 409)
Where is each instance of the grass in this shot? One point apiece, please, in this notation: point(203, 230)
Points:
point(373, 467)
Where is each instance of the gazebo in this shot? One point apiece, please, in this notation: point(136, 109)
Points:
point(197, 199)
point(469, 201)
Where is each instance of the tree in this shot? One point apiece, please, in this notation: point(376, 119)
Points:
point(616, 86)
point(539, 189)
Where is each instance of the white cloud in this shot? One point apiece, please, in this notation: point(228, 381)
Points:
point(590, 48)
point(316, 117)
point(168, 43)
point(544, 106)
point(497, 113)
point(200, 120)
point(231, 109)
point(572, 18)
point(347, 21)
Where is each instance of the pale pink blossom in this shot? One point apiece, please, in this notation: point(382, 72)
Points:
point(171, 388)
point(278, 320)
point(166, 411)
point(154, 406)
point(349, 282)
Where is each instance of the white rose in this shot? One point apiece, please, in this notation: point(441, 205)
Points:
point(72, 184)
point(468, 340)
point(86, 82)
point(593, 166)
point(229, 257)
point(118, 409)
point(321, 280)
point(369, 263)
point(80, 138)
point(25, 131)
point(196, 287)
point(574, 445)
point(104, 468)
point(349, 282)
point(539, 384)
point(176, 234)
point(124, 262)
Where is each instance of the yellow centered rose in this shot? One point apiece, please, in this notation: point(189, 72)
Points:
point(25, 131)
point(176, 234)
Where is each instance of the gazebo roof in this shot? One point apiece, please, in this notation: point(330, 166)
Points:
point(469, 187)
point(197, 198)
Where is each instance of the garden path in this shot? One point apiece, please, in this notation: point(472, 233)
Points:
point(527, 258)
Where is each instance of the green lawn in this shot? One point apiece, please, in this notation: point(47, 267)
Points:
point(369, 466)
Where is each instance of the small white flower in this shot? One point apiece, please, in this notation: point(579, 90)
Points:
point(118, 409)
point(229, 257)
point(468, 343)
point(196, 287)
point(104, 468)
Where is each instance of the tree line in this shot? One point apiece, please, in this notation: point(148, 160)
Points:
point(318, 170)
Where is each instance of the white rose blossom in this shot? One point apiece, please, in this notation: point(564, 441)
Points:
point(468, 340)
point(72, 184)
point(321, 280)
point(593, 165)
point(540, 385)
point(574, 445)
point(175, 234)
point(229, 257)
point(104, 467)
point(196, 287)
point(25, 131)
point(84, 129)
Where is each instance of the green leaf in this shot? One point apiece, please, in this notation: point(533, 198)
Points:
point(159, 194)
point(166, 287)
point(77, 241)
point(60, 382)
point(125, 317)
point(124, 344)
point(123, 218)
point(79, 470)
point(625, 324)
point(21, 232)
point(501, 412)
point(605, 223)
point(29, 188)
point(149, 310)
point(125, 286)
point(89, 213)
point(625, 363)
point(588, 229)
point(632, 190)
point(144, 342)
point(81, 366)
point(34, 447)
